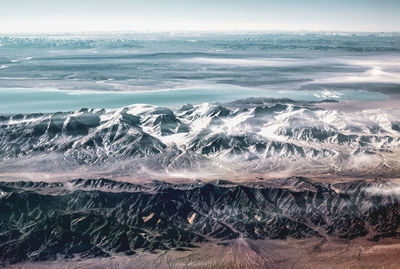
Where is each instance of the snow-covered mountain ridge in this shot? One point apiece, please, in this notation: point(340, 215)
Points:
point(248, 136)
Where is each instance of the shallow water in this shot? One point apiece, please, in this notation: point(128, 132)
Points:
point(67, 72)
point(17, 100)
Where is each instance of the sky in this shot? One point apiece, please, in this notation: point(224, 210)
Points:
point(199, 15)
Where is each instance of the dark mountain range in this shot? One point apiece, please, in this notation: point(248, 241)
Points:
point(100, 217)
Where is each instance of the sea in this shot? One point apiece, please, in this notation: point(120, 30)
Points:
point(66, 72)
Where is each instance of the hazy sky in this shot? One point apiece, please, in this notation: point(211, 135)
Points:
point(160, 15)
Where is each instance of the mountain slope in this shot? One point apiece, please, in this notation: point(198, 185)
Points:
point(255, 136)
point(99, 218)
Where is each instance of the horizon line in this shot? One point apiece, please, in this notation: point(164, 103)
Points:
point(177, 31)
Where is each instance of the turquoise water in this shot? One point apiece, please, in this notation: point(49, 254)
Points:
point(18, 100)
point(47, 73)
